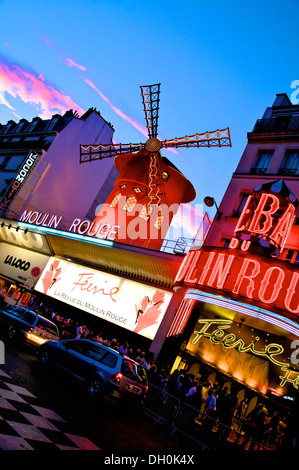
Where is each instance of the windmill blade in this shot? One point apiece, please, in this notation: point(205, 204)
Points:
point(151, 98)
point(219, 138)
point(89, 153)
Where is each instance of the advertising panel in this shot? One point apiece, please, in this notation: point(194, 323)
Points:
point(129, 304)
point(21, 265)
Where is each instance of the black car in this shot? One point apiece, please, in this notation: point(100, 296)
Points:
point(100, 368)
point(23, 324)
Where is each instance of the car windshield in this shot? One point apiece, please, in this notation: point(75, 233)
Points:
point(134, 371)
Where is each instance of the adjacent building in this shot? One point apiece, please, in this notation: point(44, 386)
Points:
point(238, 323)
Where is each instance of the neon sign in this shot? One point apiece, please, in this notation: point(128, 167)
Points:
point(242, 274)
point(18, 180)
point(268, 215)
point(102, 231)
point(229, 340)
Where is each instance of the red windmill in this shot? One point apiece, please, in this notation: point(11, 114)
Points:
point(149, 188)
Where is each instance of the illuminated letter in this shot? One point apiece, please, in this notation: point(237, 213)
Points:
point(242, 275)
point(244, 215)
point(245, 245)
point(219, 271)
point(233, 243)
point(192, 269)
point(206, 268)
point(281, 231)
point(184, 266)
point(74, 225)
point(290, 293)
point(255, 225)
point(276, 288)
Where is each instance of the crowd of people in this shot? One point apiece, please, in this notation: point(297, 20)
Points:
point(212, 399)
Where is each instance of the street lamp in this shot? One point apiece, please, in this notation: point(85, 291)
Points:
point(210, 201)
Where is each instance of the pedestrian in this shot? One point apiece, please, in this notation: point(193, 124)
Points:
point(80, 330)
point(2, 296)
point(124, 348)
point(106, 341)
point(210, 411)
point(210, 403)
point(192, 391)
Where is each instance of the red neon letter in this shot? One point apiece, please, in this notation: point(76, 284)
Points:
point(185, 266)
point(242, 275)
point(220, 271)
point(277, 285)
point(244, 217)
point(281, 231)
point(256, 222)
point(192, 269)
point(291, 292)
point(206, 268)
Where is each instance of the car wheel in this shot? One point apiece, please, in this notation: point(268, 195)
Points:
point(44, 357)
point(94, 387)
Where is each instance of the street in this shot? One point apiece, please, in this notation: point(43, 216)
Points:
point(108, 423)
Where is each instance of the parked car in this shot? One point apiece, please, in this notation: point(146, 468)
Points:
point(23, 324)
point(100, 368)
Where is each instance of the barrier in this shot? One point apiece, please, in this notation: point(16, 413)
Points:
point(161, 404)
point(205, 430)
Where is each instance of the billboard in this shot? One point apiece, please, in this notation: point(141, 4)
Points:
point(134, 306)
point(21, 265)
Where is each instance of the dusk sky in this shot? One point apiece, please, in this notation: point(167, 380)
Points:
point(220, 64)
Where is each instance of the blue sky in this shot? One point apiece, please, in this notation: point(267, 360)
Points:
point(220, 64)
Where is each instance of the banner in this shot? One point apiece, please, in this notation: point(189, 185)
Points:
point(129, 304)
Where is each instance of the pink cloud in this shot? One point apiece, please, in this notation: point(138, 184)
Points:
point(120, 113)
point(63, 58)
point(34, 89)
point(71, 63)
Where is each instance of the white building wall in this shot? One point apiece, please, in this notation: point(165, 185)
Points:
point(69, 188)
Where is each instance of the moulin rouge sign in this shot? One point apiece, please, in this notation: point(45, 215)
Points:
point(248, 268)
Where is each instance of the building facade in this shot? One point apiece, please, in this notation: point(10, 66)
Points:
point(238, 324)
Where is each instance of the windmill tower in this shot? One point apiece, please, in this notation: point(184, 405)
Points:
point(149, 188)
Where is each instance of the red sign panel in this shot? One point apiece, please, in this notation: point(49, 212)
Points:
point(265, 282)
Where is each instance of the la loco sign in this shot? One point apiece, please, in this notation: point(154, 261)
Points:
point(242, 274)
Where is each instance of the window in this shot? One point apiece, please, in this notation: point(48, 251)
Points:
point(263, 162)
point(129, 204)
point(52, 123)
point(19, 127)
point(146, 212)
point(159, 221)
point(137, 190)
point(32, 126)
point(115, 200)
point(7, 128)
point(14, 162)
point(242, 204)
point(109, 360)
point(290, 163)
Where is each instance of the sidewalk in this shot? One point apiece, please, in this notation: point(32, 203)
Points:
point(24, 425)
